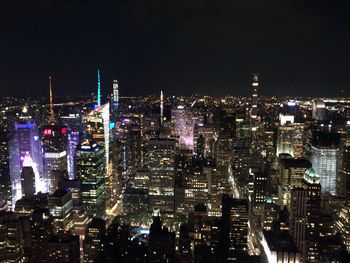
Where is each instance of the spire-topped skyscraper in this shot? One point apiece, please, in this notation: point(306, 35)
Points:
point(98, 89)
point(115, 92)
point(254, 101)
point(52, 114)
point(254, 111)
point(161, 107)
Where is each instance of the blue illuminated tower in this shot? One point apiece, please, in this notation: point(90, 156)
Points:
point(98, 89)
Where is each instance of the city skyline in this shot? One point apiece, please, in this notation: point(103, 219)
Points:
point(183, 131)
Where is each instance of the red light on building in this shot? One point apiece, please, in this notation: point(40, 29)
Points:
point(47, 132)
point(63, 130)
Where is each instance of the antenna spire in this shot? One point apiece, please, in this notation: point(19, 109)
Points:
point(98, 89)
point(52, 114)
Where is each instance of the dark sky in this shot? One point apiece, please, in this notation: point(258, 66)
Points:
point(301, 47)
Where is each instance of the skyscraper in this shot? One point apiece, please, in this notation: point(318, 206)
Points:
point(115, 92)
point(325, 157)
point(254, 110)
point(55, 154)
point(60, 204)
point(183, 126)
point(91, 171)
point(28, 181)
point(304, 216)
point(318, 109)
point(5, 180)
point(161, 107)
point(24, 144)
point(94, 240)
point(160, 160)
point(235, 224)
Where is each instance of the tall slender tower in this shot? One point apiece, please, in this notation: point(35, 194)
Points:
point(254, 101)
point(52, 114)
point(115, 92)
point(161, 107)
point(254, 111)
point(98, 89)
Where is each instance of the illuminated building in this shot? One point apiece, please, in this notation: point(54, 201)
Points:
point(304, 216)
point(278, 247)
point(72, 186)
point(73, 142)
point(342, 224)
point(11, 239)
point(291, 174)
point(24, 144)
point(160, 160)
point(5, 180)
point(289, 139)
point(63, 248)
point(254, 110)
point(98, 130)
point(161, 108)
point(54, 144)
point(200, 146)
point(73, 123)
point(115, 92)
point(94, 239)
point(61, 205)
point(254, 98)
point(91, 172)
point(318, 110)
point(201, 230)
point(235, 223)
point(325, 157)
point(52, 114)
point(183, 126)
point(207, 132)
point(260, 189)
point(196, 190)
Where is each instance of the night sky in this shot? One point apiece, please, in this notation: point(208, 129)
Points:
point(301, 47)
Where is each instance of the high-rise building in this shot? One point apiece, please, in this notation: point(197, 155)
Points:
point(289, 139)
point(160, 160)
point(91, 172)
point(291, 174)
point(304, 216)
point(98, 130)
point(278, 247)
point(183, 126)
point(61, 205)
point(260, 189)
point(115, 92)
point(94, 239)
point(235, 224)
point(254, 110)
point(41, 229)
point(11, 239)
point(318, 110)
point(63, 248)
point(28, 182)
point(196, 189)
point(325, 159)
point(342, 224)
point(5, 180)
point(55, 154)
point(24, 144)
